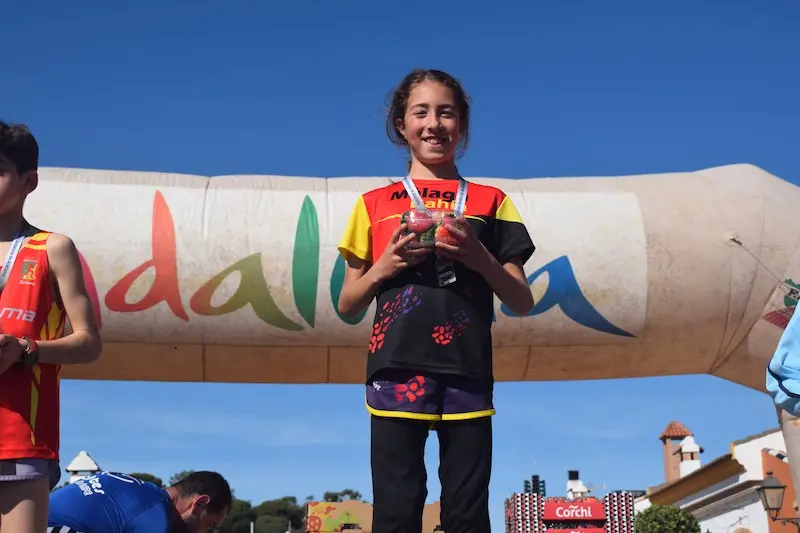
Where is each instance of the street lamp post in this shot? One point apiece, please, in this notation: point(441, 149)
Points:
point(771, 493)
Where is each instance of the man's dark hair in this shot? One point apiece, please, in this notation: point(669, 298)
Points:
point(207, 483)
point(19, 146)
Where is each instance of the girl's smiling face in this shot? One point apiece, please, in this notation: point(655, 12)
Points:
point(431, 124)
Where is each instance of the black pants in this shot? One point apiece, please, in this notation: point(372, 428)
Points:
point(399, 479)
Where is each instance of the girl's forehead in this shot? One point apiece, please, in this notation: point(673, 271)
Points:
point(430, 91)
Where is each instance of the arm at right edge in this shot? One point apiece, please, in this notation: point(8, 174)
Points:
point(361, 282)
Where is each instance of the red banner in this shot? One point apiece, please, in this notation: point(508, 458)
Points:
point(574, 511)
point(577, 530)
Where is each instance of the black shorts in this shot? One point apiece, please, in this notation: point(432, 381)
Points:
point(30, 470)
point(429, 397)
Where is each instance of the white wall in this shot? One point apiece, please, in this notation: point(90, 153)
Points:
point(749, 453)
point(688, 466)
point(708, 491)
point(745, 511)
point(641, 505)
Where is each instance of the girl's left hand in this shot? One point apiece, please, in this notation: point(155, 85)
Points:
point(462, 245)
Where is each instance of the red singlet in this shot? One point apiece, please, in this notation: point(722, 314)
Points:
point(29, 396)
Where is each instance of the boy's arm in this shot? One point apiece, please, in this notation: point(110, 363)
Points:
point(83, 345)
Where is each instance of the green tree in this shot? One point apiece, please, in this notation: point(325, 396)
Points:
point(281, 513)
point(179, 476)
point(342, 495)
point(239, 518)
point(271, 516)
point(148, 477)
point(274, 524)
point(665, 518)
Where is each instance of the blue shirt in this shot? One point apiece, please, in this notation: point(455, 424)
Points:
point(111, 503)
point(783, 371)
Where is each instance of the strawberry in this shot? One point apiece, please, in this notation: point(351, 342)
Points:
point(443, 231)
point(418, 221)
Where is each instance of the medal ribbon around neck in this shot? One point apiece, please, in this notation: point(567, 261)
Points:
point(13, 251)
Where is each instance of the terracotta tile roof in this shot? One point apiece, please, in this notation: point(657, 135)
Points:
point(675, 430)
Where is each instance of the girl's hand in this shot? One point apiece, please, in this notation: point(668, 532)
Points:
point(459, 243)
point(397, 257)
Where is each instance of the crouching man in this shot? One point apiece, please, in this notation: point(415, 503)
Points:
point(117, 503)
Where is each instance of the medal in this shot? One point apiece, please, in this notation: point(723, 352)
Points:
point(445, 271)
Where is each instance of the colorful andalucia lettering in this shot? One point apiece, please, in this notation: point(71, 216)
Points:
point(563, 289)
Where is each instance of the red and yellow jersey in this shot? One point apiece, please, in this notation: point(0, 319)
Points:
point(418, 325)
point(377, 214)
point(29, 396)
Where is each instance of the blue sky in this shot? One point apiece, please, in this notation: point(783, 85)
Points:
point(565, 88)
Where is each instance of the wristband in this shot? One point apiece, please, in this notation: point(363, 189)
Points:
point(31, 355)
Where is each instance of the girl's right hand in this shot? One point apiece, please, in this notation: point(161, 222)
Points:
point(397, 257)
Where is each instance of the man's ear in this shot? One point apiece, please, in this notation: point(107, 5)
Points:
point(202, 500)
point(31, 179)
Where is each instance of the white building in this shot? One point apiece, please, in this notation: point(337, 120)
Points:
point(82, 466)
point(575, 487)
point(721, 494)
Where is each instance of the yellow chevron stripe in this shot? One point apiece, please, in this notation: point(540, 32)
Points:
point(37, 378)
point(53, 328)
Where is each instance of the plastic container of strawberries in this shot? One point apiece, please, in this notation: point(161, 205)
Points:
point(430, 227)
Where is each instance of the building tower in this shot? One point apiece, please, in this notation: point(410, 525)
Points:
point(671, 439)
point(82, 466)
point(575, 487)
point(689, 452)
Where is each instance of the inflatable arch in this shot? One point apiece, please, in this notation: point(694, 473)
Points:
point(235, 278)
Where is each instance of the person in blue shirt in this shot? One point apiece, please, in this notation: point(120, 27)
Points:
point(109, 502)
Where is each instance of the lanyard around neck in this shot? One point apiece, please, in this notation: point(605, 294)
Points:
point(13, 251)
point(461, 195)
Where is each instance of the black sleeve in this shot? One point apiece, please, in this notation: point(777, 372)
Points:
point(511, 236)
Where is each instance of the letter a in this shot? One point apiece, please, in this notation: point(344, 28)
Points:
point(252, 290)
point(165, 263)
point(563, 291)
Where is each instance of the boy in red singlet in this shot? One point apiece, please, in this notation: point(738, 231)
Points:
point(430, 354)
point(41, 286)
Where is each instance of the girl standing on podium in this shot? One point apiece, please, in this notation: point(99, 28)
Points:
point(434, 250)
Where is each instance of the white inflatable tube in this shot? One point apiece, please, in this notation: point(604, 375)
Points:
point(235, 278)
